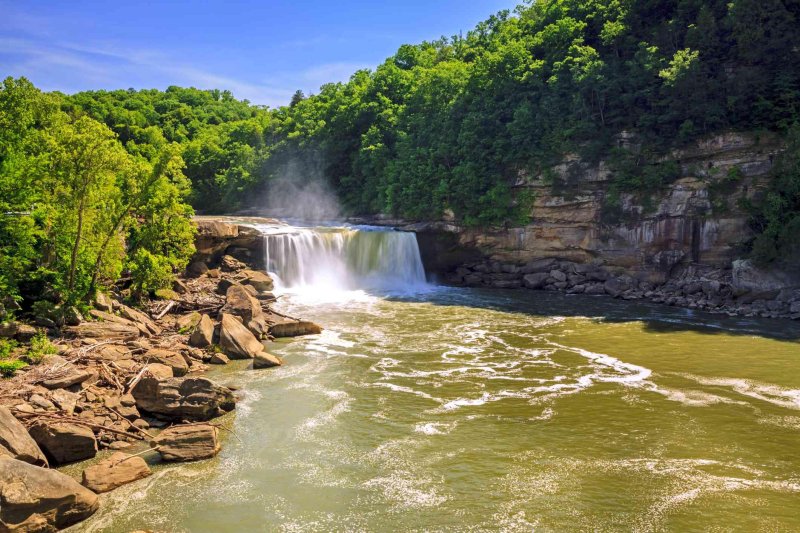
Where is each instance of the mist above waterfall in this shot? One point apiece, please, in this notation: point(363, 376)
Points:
point(301, 192)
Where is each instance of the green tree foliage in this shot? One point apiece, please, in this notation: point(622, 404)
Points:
point(95, 183)
point(76, 205)
point(454, 125)
point(776, 217)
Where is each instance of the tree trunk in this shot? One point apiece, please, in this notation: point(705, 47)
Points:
point(74, 259)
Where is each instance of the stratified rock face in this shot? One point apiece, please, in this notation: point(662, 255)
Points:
point(64, 442)
point(188, 443)
point(116, 471)
point(236, 340)
point(688, 224)
point(39, 499)
point(16, 442)
point(183, 398)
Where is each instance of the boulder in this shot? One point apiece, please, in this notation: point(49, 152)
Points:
point(39, 499)
point(616, 286)
point(180, 287)
point(72, 317)
point(259, 326)
point(558, 275)
point(187, 322)
point(539, 266)
point(260, 281)
point(105, 331)
point(203, 333)
point(25, 332)
point(140, 318)
point(223, 286)
point(214, 235)
point(37, 400)
point(239, 302)
point(231, 264)
point(58, 373)
point(171, 359)
point(65, 400)
point(183, 398)
point(159, 371)
point(747, 278)
point(64, 442)
point(197, 269)
point(536, 280)
point(219, 359)
point(188, 443)
point(115, 471)
point(266, 360)
point(293, 328)
point(103, 302)
point(236, 340)
point(16, 442)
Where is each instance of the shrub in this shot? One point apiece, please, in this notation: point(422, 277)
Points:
point(39, 349)
point(9, 367)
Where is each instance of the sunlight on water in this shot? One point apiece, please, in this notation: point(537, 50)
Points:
point(423, 408)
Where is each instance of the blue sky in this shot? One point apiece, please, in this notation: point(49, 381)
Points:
point(262, 51)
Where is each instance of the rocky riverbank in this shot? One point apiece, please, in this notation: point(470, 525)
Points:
point(129, 378)
point(743, 290)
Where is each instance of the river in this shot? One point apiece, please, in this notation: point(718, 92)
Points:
point(426, 408)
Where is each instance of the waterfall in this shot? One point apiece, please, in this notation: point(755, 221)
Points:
point(329, 258)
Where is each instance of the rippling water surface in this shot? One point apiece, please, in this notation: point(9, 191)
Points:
point(463, 410)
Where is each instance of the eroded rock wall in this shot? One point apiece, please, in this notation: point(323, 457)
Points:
point(691, 221)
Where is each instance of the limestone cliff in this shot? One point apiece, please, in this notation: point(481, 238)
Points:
point(695, 219)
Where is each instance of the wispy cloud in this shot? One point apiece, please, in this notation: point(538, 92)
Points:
point(71, 67)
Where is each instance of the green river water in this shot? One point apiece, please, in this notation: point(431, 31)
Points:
point(468, 410)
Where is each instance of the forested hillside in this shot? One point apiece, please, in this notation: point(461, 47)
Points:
point(444, 126)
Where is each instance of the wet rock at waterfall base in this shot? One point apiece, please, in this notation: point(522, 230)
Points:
point(266, 360)
point(39, 499)
point(236, 341)
point(115, 471)
point(188, 443)
point(183, 398)
point(283, 327)
point(260, 281)
point(64, 442)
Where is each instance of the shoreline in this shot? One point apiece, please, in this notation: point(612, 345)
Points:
point(129, 383)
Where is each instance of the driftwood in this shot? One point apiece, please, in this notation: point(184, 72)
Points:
point(166, 309)
point(131, 424)
point(77, 422)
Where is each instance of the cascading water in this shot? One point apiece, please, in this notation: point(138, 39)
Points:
point(335, 258)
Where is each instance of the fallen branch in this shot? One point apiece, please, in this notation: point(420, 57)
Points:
point(131, 424)
point(78, 422)
point(166, 309)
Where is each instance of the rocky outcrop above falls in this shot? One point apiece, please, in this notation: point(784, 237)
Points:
point(236, 237)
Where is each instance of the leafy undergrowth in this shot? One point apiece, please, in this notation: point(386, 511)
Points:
point(14, 357)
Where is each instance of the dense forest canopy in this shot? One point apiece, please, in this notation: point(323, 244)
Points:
point(446, 126)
